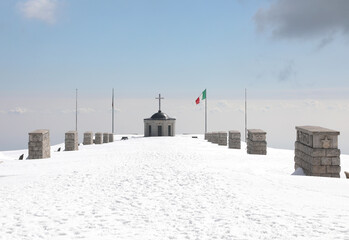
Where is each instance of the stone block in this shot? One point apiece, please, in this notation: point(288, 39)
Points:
point(317, 137)
point(333, 152)
point(88, 138)
point(319, 169)
point(71, 141)
point(316, 151)
point(234, 144)
point(252, 144)
point(256, 142)
point(105, 137)
point(215, 137)
point(256, 135)
point(208, 137)
point(234, 134)
point(234, 139)
point(261, 152)
point(98, 138)
point(333, 169)
point(111, 137)
point(335, 161)
point(39, 144)
point(222, 138)
point(326, 161)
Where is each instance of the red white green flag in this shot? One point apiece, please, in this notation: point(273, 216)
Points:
point(202, 96)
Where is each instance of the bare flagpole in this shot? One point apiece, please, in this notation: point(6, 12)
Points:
point(112, 121)
point(245, 114)
point(76, 110)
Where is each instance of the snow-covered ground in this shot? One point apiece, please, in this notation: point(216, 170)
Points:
point(168, 188)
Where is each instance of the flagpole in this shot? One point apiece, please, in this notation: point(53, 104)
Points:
point(76, 110)
point(112, 121)
point(206, 112)
point(245, 114)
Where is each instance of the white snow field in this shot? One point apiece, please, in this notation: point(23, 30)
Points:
point(168, 188)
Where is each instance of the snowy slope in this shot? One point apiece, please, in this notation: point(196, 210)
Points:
point(168, 188)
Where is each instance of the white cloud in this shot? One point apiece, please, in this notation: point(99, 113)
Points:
point(18, 110)
point(311, 103)
point(65, 111)
point(44, 10)
point(266, 108)
point(83, 110)
point(86, 110)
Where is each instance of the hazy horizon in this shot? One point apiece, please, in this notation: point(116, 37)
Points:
point(276, 116)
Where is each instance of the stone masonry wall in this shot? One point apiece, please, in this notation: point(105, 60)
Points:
point(39, 144)
point(98, 138)
point(316, 151)
point(256, 142)
point(71, 141)
point(234, 139)
point(88, 138)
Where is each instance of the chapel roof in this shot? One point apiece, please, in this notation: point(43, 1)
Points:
point(160, 116)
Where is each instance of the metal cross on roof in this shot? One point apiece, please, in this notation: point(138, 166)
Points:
point(159, 101)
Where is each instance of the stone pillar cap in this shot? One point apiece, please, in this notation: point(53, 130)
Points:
point(71, 131)
point(313, 130)
point(40, 131)
point(234, 131)
point(260, 131)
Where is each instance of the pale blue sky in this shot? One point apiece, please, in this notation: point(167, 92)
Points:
point(142, 46)
point(290, 50)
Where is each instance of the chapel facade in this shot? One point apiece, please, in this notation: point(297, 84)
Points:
point(159, 124)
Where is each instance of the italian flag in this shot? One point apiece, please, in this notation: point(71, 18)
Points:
point(202, 96)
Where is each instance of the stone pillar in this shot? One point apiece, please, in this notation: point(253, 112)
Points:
point(208, 137)
point(71, 141)
point(88, 138)
point(256, 142)
point(215, 137)
point(105, 137)
point(234, 139)
point(98, 138)
point(222, 138)
point(39, 144)
point(111, 137)
point(316, 151)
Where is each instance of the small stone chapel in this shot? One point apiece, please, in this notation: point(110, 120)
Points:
point(159, 124)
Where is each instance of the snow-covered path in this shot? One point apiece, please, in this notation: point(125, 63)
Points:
point(168, 188)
